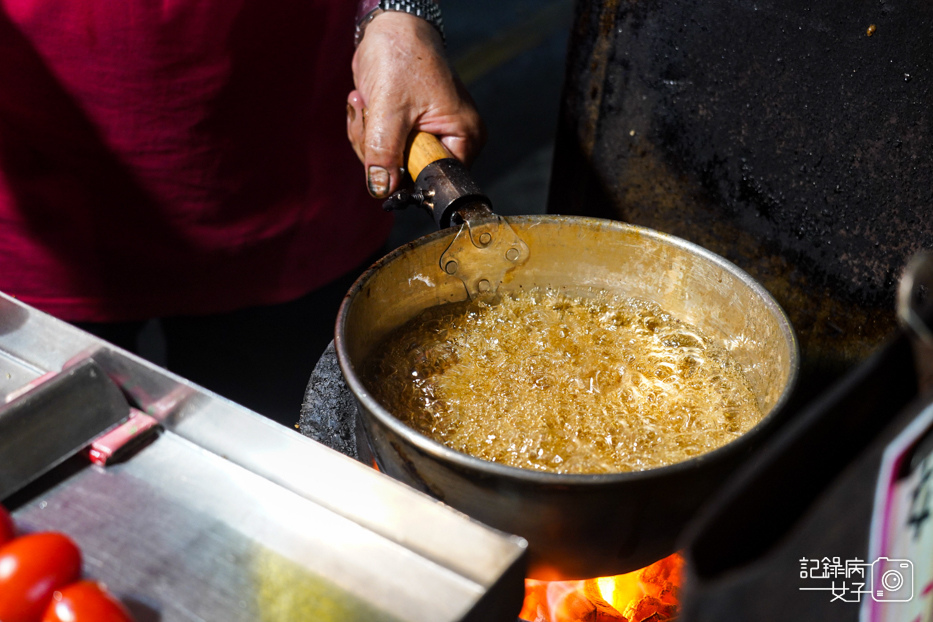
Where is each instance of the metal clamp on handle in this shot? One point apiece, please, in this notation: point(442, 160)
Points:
point(481, 254)
point(915, 312)
point(486, 247)
point(446, 190)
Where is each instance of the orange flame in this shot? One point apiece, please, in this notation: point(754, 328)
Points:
point(647, 594)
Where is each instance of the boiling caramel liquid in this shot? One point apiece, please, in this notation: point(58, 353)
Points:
point(546, 381)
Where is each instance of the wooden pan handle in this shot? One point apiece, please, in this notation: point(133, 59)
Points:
point(443, 184)
point(425, 148)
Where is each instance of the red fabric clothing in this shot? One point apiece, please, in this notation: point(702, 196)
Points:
point(177, 157)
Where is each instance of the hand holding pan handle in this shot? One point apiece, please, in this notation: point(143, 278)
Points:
point(486, 247)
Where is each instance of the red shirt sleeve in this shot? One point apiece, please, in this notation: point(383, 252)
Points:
point(181, 157)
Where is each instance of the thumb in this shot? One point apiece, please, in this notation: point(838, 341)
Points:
point(385, 134)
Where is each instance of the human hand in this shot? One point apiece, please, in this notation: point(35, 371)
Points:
point(404, 83)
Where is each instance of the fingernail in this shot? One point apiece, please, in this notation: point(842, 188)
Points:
point(351, 112)
point(378, 180)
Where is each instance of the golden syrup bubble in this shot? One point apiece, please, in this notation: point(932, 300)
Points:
point(549, 381)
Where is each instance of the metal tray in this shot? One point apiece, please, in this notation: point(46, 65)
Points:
point(228, 516)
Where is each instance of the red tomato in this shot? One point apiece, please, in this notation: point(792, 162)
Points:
point(85, 601)
point(32, 567)
point(7, 529)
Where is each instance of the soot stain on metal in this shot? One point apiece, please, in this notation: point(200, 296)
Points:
point(411, 469)
point(775, 134)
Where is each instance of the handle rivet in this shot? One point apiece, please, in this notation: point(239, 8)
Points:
point(512, 254)
point(451, 267)
point(483, 285)
point(485, 238)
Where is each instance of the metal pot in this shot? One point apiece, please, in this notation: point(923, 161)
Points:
point(577, 526)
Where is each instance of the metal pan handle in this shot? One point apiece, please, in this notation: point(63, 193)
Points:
point(443, 186)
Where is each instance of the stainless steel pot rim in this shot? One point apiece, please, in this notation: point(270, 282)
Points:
point(465, 461)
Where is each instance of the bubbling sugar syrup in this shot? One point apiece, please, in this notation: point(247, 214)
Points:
point(544, 380)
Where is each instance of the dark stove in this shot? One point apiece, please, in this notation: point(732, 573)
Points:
point(328, 412)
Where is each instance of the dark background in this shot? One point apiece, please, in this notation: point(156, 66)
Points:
point(511, 54)
point(793, 138)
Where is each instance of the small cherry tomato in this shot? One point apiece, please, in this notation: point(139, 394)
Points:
point(85, 601)
point(32, 567)
point(7, 529)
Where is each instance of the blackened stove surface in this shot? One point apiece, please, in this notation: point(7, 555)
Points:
point(790, 137)
point(328, 412)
